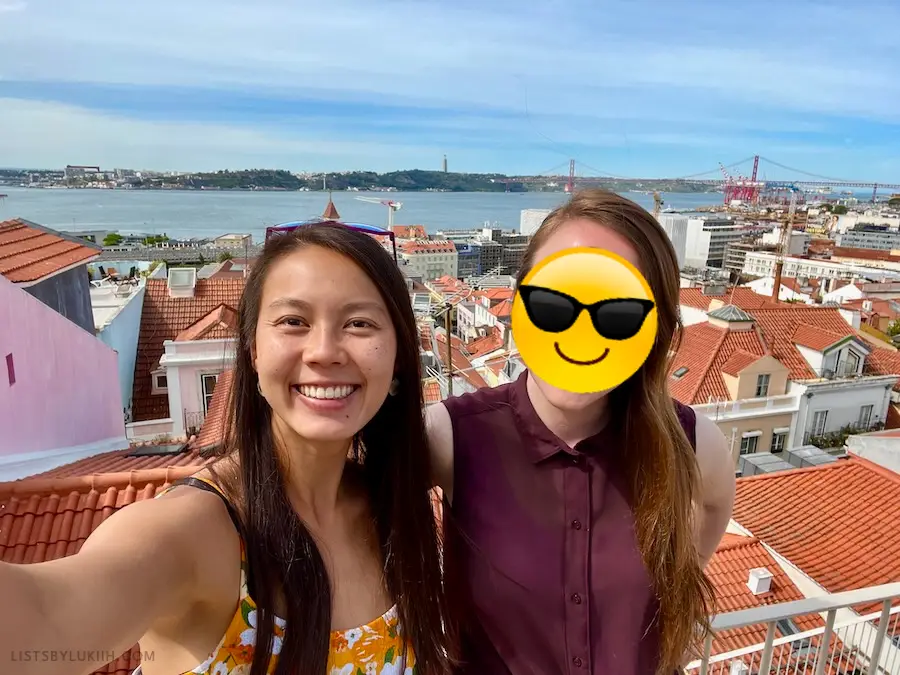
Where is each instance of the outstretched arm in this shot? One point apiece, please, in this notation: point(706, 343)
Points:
point(440, 444)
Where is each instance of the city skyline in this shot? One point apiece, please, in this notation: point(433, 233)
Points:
point(635, 89)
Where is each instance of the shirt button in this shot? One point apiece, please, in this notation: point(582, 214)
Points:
point(577, 662)
point(576, 524)
point(576, 598)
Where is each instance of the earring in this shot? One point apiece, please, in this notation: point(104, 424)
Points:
point(395, 387)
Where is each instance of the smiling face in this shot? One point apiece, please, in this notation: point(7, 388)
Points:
point(325, 345)
point(576, 345)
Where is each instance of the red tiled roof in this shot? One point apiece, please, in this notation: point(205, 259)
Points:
point(409, 231)
point(502, 309)
point(50, 518)
point(863, 254)
point(419, 246)
point(121, 461)
point(739, 296)
point(816, 337)
point(331, 212)
point(29, 252)
point(739, 360)
point(461, 364)
point(704, 351)
point(163, 318)
point(729, 571)
point(837, 522)
point(881, 307)
point(431, 392)
point(212, 433)
point(495, 294)
point(892, 419)
point(884, 362)
point(486, 344)
point(221, 322)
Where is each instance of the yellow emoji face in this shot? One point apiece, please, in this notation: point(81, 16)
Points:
point(584, 320)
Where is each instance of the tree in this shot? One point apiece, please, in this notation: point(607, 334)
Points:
point(894, 328)
point(223, 256)
point(839, 210)
point(827, 207)
point(113, 239)
point(894, 202)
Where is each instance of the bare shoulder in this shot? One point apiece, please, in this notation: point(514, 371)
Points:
point(439, 428)
point(716, 464)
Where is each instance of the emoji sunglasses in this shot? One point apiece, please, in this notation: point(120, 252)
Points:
point(554, 312)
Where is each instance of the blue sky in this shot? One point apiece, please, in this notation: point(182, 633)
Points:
point(631, 87)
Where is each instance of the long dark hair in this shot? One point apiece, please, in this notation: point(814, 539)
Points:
point(392, 455)
point(660, 464)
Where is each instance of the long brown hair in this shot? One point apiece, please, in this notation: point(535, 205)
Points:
point(391, 453)
point(660, 464)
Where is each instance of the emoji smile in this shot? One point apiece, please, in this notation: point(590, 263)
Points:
point(576, 361)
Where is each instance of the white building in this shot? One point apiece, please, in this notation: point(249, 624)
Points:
point(705, 239)
point(762, 264)
point(799, 244)
point(530, 220)
point(765, 286)
point(676, 227)
point(432, 258)
point(871, 217)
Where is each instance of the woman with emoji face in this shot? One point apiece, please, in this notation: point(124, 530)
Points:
point(582, 501)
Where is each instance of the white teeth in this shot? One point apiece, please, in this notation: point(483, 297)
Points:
point(342, 391)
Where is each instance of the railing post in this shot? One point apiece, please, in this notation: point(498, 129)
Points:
point(766, 661)
point(707, 648)
point(822, 652)
point(879, 636)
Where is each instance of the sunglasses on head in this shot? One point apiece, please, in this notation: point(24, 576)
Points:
point(554, 312)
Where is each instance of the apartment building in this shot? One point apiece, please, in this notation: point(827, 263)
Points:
point(798, 245)
point(432, 258)
point(700, 242)
point(776, 376)
point(762, 264)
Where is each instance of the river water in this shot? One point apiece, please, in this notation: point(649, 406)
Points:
point(184, 214)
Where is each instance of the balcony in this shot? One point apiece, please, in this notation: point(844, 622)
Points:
point(861, 642)
point(750, 407)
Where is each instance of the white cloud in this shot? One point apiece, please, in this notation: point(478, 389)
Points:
point(12, 6)
point(46, 134)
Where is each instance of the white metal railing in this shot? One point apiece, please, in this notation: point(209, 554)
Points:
point(749, 407)
point(846, 643)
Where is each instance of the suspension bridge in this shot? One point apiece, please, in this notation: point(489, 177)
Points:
point(735, 186)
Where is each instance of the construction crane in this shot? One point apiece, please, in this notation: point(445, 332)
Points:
point(784, 242)
point(392, 207)
point(657, 204)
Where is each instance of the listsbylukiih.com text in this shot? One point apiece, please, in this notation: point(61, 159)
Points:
point(76, 655)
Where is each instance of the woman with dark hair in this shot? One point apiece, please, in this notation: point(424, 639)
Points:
point(310, 546)
point(577, 525)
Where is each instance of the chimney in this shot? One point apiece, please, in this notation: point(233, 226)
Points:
point(760, 581)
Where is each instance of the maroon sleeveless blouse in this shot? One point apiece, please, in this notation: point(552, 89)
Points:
point(541, 558)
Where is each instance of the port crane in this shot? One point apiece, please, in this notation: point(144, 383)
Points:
point(784, 241)
point(392, 206)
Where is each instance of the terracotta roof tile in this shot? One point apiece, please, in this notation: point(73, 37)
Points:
point(816, 337)
point(29, 252)
point(863, 254)
point(163, 318)
point(427, 246)
point(502, 309)
point(729, 571)
point(221, 322)
point(212, 433)
point(461, 365)
point(486, 344)
point(120, 461)
point(739, 360)
point(739, 296)
point(431, 392)
point(704, 351)
point(837, 523)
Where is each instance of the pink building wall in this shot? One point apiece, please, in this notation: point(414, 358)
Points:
point(65, 398)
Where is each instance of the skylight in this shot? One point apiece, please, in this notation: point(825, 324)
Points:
point(679, 373)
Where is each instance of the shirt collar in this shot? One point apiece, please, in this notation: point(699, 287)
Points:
point(544, 443)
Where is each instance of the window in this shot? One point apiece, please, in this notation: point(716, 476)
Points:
point(851, 363)
point(779, 440)
point(762, 385)
point(865, 416)
point(208, 385)
point(160, 382)
point(748, 444)
point(679, 373)
point(819, 420)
